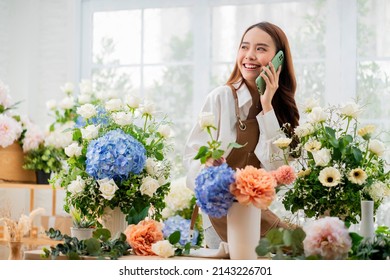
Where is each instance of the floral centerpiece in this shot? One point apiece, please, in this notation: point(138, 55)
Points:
point(117, 159)
point(217, 186)
point(340, 164)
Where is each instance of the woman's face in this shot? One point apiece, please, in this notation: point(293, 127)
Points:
point(257, 49)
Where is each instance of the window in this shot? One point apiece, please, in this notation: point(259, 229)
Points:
point(175, 52)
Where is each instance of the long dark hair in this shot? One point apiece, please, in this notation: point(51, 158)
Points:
point(283, 102)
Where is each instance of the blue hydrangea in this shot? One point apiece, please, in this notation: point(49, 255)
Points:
point(212, 190)
point(178, 223)
point(115, 155)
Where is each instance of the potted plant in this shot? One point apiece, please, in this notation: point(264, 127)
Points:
point(44, 160)
point(82, 226)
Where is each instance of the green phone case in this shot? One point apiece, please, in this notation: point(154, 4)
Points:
point(276, 61)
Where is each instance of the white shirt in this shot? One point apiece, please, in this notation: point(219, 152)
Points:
point(220, 102)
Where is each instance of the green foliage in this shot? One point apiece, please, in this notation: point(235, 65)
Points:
point(376, 249)
point(100, 246)
point(282, 244)
point(47, 159)
point(174, 239)
point(80, 220)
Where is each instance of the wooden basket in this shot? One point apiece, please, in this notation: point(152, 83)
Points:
point(11, 162)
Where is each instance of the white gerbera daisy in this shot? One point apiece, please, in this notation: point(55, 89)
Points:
point(357, 176)
point(330, 177)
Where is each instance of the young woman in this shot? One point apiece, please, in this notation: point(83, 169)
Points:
point(244, 116)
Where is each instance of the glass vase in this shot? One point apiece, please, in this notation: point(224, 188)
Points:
point(243, 231)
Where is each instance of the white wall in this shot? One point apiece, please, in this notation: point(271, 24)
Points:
point(38, 53)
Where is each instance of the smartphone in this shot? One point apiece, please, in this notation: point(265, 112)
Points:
point(276, 61)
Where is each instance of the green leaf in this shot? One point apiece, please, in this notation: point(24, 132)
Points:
point(159, 156)
point(357, 154)
point(263, 248)
point(93, 246)
point(236, 145)
point(134, 217)
point(217, 154)
point(174, 237)
point(102, 234)
point(287, 238)
point(77, 135)
point(275, 236)
point(202, 152)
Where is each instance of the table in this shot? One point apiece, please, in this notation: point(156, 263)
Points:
point(32, 243)
point(36, 255)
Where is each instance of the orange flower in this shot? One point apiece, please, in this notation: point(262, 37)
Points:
point(142, 236)
point(255, 186)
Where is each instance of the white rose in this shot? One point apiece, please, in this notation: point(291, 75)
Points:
point(350, 110)
point(322, 157)
point(149, 186)
point(122, 118)
point(206, 119)
point(317, 115)
point(149, 108)
point(87, 111)
point(107, 188)
point(132, 101)
point(310, 104)
point(73, 150)
point(163, 249)
point(84, 98)
point(304, 130)
point(85, 87)
point(67, 102)
point(51, 104)
point(113, 105)
point(377, 191)
point(90, 132)
point(377, 147)
point(67, 88)
point(282, 142)
point(151, 166)
point(76, 186)
point(164, 130)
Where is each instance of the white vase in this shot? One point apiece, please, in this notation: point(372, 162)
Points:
point(81, 233)
point(114, 220)
point(243, 231)
point(367, 219)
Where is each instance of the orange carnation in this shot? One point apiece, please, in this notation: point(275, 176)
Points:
point(255, 186)
point(142, 236)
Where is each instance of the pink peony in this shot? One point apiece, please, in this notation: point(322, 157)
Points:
point(142, 236)
point(10, 130)
point(255, 186)
point(32, 138)
point(285, 175)
point(327, 237)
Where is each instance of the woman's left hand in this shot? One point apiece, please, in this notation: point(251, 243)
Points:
point(272, 83)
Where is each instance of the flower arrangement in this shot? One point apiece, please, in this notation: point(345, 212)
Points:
point(147, 238)
point(340, 164)
point(117, 159)
point(16, 128)
point(217, 186)
point(326, 238)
